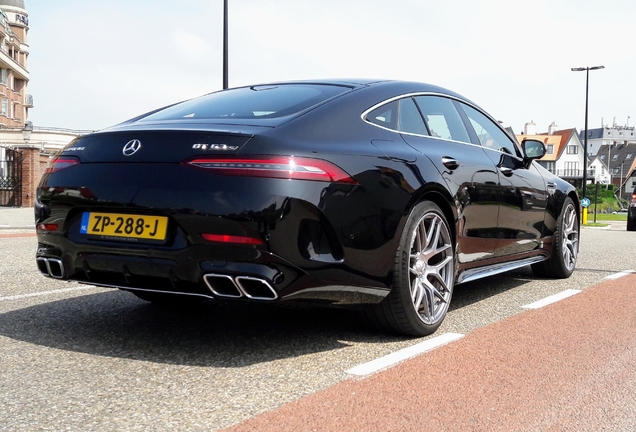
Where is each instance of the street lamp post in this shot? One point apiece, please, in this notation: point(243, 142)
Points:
point(587, 70)
point(225, 47)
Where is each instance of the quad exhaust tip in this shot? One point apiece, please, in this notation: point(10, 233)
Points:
point(236, 287)
point(51, 267)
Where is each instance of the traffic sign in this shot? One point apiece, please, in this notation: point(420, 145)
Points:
point(585, 202)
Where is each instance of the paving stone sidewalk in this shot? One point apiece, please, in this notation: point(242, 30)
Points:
point(16, 218)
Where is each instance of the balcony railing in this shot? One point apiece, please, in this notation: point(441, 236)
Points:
point(570, 173)
point(574, 173)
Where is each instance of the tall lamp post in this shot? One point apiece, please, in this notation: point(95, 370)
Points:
point(225, 47)
point(587, 70)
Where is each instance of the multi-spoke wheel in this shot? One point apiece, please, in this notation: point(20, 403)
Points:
point(566, 245)
point(424, 275)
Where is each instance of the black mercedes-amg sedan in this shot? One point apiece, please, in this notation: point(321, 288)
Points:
point(373, 195)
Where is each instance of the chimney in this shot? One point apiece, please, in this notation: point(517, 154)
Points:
point(552, 128)
point(530, 128)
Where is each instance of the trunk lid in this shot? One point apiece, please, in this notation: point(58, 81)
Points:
point(155, 146)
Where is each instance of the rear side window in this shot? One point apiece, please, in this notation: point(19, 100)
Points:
point(267, 101)
point(410, 119)
point(385, 115)
point(442, 118)
point(400, 115)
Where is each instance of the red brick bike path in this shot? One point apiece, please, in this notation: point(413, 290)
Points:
point(16, 235)
point(568, 366)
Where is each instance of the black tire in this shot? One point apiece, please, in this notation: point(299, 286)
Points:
point(424, 276)
point(631, 223)
point(566, 245)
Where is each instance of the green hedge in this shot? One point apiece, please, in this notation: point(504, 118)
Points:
point(606, 202)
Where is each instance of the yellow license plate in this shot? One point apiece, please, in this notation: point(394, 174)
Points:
point(124, 225)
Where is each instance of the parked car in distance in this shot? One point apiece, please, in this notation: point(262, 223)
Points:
point(373, 195)
point(631, 213)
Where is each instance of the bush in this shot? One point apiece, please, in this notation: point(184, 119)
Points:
point(605, 202)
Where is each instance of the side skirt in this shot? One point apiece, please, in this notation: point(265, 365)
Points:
point(482, 272)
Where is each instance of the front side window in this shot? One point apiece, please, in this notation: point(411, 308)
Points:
point(490, 135)
point(442, 119)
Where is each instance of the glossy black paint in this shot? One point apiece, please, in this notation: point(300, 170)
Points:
point(326, 242)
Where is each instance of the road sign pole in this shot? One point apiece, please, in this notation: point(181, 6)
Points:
point(585, 202)
point(595, 202)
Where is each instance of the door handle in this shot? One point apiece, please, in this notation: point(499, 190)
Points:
point(450, 162)
point(506, 171)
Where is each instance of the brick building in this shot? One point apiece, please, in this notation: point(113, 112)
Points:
point(15, 100)
point(24, 149)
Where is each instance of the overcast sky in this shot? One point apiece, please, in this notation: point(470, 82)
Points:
point(96, 63)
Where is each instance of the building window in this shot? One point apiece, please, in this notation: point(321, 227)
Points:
point(615, 157)
point(572, 149)
point(550, 149)
point(5, 107)
point(4, 76)
point(602, 157)
point(571, 169)
point(548, 165)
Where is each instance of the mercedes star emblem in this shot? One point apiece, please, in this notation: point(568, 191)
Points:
point(131, 147)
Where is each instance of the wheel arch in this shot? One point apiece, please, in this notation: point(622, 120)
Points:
point(440, 196)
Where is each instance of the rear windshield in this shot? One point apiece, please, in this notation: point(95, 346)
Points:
point(266, 101)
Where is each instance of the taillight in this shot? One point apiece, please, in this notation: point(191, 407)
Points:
point(633, 198)
point(59, 163)
point(222, 238)
point(282, 167)
point(44, 228)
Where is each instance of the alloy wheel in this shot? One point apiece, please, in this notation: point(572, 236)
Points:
point(431, 268)
point(570, 239)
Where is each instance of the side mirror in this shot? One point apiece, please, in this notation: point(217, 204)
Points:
point(532, 149)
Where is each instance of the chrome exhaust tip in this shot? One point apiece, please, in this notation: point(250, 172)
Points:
point(222, 286)
point(253, 288)
point(51, 267)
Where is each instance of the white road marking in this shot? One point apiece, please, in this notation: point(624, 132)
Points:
point(45, 293)
point(620, 274)
point(403, 354)
point(552, 299)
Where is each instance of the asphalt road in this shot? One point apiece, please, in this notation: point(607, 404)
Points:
point(82, 358)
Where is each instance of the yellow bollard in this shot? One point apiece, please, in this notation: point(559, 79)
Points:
point(584, 215)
